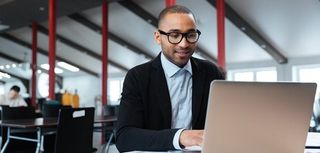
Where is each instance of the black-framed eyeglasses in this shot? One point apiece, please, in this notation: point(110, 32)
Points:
point(176, 37)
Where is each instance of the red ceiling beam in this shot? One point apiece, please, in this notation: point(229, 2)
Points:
point(221, 33)
point(52, 47)
point(104, 57)
point(170, 3)
point(34, 63)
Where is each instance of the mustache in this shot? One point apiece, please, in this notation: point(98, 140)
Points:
point(187, 49)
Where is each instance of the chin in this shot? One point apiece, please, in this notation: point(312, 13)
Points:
point(181, 63)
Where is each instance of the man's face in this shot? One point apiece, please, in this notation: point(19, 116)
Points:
point(180, 53)
point(13, 94)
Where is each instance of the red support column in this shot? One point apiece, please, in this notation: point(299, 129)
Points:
point(104, 52)
point(34, 63)
point(52, 47)
point(104, 59)
point(170, 3)
point(221, 33)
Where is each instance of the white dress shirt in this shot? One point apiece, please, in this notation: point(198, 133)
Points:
point(179, 81)
point(16, 102)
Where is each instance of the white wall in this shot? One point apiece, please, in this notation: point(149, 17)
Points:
point(88, 88)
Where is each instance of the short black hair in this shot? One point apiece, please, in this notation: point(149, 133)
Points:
point(15, 88)
point(174, 9)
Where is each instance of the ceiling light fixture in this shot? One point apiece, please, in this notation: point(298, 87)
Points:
point(41, 8)
point(8, 66)
point(4, 27)
point(5, 75)
point(1, 67)
point(56, 70)
point(68, 66)
point(13, 65)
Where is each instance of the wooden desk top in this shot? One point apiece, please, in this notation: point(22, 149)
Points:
point(47, 122)
point(30, 123)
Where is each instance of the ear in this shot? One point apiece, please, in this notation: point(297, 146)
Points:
point(157, 38)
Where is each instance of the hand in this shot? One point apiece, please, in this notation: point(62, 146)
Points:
point(191, 138)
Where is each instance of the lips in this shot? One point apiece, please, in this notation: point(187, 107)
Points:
point(182, 54)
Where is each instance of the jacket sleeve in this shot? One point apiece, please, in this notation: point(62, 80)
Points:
point(131, 133)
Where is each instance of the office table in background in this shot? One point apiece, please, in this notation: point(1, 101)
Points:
point(40, 124)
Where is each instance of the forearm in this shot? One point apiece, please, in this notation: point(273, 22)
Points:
point(130, 139)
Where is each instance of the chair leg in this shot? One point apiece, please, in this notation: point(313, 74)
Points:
point(7, 141)
point(107, 145)
point(0, 142)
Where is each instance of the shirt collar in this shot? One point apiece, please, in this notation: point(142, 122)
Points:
point(170, 69)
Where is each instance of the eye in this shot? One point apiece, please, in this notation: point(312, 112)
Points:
point(174, 35)
point(192, 35)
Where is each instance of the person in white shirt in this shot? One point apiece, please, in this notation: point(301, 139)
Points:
point(13, 98)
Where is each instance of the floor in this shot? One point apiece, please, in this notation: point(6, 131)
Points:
point(97, 144)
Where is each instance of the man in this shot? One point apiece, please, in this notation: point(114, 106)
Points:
point(164, 101)
point(13, 98)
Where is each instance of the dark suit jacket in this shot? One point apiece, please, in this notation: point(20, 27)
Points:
point(144, 121)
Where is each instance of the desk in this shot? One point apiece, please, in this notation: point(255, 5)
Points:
point(40, 124)
point(164, 152)
point(306, 151)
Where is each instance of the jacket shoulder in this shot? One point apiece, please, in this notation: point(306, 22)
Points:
point(208, 67)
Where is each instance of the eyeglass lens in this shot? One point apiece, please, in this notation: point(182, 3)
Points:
point(175, 37)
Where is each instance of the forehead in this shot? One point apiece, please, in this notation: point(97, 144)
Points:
point(13, 91)
point(177, 21)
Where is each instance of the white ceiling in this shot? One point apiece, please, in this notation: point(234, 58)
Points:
point(291, 26)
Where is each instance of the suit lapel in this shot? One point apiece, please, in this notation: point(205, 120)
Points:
point(163, 96)
point(198, 79)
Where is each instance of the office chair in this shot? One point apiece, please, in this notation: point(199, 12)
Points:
point(109, 128)
point(17, 113)
point(51, 109)
point(75, 130)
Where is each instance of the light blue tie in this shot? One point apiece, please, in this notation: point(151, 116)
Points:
point(181, 99)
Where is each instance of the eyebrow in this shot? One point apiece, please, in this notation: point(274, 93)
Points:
point(177, 30)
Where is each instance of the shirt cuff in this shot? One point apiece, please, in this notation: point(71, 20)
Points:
point(176, 138)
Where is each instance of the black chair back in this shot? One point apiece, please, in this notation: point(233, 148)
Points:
point(75, 130)
point(15, 113)
point(52, 110)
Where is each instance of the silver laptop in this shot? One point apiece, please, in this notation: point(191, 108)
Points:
point(251, 117)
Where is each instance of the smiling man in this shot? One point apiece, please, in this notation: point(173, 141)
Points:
point(164, 101)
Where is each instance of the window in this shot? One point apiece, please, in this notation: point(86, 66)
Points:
point(243, 76)
point(114, 91)
point(261, 74)
point(310, 73)
point(307, 73)
point(270, 75)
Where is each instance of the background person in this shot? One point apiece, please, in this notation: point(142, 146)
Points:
point(13, 98)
